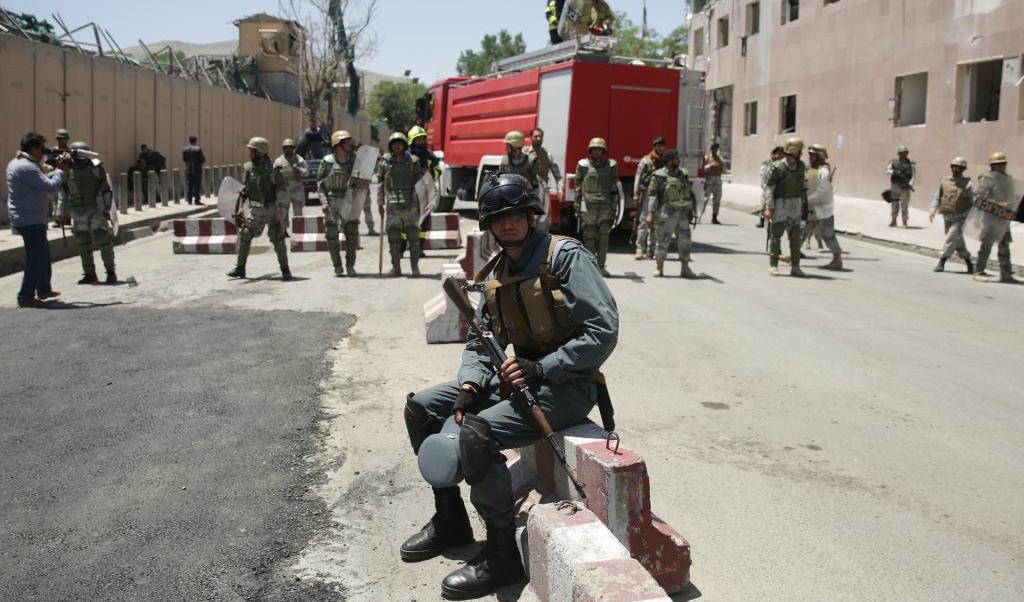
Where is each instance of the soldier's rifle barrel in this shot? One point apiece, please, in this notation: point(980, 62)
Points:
point(457, 294)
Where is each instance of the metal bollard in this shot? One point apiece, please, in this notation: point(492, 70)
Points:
point(175, 185)
point(152, 185)
point(122, 193)
point(207, 179)
point(165, 185)
point(137, 191)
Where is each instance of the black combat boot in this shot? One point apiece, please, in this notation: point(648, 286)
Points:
point(88, 279)
point(238, 272)
point(111, 277)
point(496, 566)
point(286, 274)
point(714, 219)
point(448, 528)
point(970, 266)
point(941, 266)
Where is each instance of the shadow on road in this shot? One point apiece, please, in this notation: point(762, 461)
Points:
point(690, 592)
point(79, 305)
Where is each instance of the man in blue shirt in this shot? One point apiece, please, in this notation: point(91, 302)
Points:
point(28, 200)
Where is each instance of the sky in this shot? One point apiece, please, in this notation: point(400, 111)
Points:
point(424, 37)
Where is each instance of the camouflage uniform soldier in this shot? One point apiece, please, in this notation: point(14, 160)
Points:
point(713, 168)
point(953, 200)
point(86, 202)
point(596, 199)
point(766, 168)
point(397, 175)
point(671, 210)
point(651, 162)
point(994, 198)
point(333, 177)
point(260, 187)
point(784, 205)
point(546, 168)
point(584, 17)
point(902, 172)
point(821, 202)
point(291, 170)
point(518, 162)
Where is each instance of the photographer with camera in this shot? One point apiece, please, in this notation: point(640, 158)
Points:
point(28, 199)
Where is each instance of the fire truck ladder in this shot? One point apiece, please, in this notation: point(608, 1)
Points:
point(588, 47)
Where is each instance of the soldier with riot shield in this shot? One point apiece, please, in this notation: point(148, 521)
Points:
point(597, 199)
point(87, 204)
point(333, 178)
point(996, 205)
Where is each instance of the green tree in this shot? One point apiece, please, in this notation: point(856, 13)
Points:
point(633, 44)
point(492, 48)
point(394, 103)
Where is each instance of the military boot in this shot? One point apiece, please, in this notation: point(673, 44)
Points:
point(339, 271)
point(835, 264)
point(88, 279)
point(496, 566)
point(970, 266)
point(892, 224)
point(396, 271)
point(1007, 278)
point(286, 274)
point(238, 272)
point(448, 528)
point(760, 223)
point(714, 219)
point(111, 277)
point(796, 272)
point(686, 272)
point(639, 253)
point(904, 222)
point(659, 271)
point(351, 269)
point(941, 266)
point(982, 277)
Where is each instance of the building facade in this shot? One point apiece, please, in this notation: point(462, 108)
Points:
point(863, 77)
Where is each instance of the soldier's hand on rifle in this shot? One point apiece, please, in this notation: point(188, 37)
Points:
point(518, 371)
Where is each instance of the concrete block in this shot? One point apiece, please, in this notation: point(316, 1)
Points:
point(444, 323)
point(135, 233)
point(616, 580)
point(205, 236)
point(441, 231)
point(308, 234)
point(480, 246)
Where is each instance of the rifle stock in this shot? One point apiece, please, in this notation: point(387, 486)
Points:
point(522, 394)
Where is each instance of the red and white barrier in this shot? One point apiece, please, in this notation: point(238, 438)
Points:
point(205, 236)
point(441, 231)
point(480, 247)
point(574, 557)
point(619, 494)
point(308, 233)
point(443, 321)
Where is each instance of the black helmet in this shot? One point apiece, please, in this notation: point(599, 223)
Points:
point(504, 194)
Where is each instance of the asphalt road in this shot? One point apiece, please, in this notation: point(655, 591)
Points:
point(854, 435)
point(159, 453)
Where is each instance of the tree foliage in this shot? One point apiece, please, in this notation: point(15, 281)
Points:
point(492, 48)
point(394, 103)
point(655, 46)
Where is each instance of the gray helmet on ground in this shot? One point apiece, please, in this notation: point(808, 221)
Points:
point(505, 194)
point(438, 458)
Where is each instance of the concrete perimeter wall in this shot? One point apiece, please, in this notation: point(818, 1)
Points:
point(117, 107)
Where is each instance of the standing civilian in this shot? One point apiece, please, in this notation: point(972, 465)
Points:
point(194, 159)
point(29, 192)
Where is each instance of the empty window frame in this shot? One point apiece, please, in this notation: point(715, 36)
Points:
point(790, 10)
point(698, 42)
point(911, 100)
point(750, 118)
point(978, 91)
point(753, 18)
point(723, 32)
point(787, 114)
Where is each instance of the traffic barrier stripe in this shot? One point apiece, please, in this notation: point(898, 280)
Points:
point(204, 236)
point(441, 231)
point(308, 234)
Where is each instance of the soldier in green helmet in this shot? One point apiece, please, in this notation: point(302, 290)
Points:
point(333, 178)
point(86, 203)
point(397, 175)
point(784, 204)
point(291, 168)
point(261, 183)
point(597, 199)
point(671, 210)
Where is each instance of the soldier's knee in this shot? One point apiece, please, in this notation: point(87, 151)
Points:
point(477, 448)
point(419, 422)
point(100, 238)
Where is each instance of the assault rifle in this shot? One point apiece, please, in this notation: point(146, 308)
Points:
point(521, 394)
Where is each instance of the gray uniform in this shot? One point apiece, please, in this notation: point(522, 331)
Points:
point(997, 188)
point(567, 392)
point(954, 220)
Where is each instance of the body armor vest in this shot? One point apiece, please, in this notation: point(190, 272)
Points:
point(792, 183)
point(541, 162)
point(902, 172)
point(673, 188)
point(528, 310)
point(597, 184)
point(527, 169)
point(260, 188)
point(335, 176)
point(83, 185)
point(953, 197)
point(400, 181)
point(284, 167)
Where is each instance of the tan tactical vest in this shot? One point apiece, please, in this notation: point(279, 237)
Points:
point(598, 184)
point(528, 311)
point(953, 198)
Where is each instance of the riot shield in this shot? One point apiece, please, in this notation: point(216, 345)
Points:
point(984, 225)
point(352, 205)
point(366, 162)
point(427, 195)
point(112, 209)
point(227, 198)
point(620, 209)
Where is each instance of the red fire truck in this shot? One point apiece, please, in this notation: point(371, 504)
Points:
point(574, 91)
